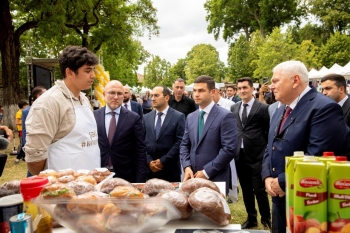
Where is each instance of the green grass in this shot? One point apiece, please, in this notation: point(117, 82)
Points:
point(18, 171)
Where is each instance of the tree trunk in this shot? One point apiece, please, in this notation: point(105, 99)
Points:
point(10, 52)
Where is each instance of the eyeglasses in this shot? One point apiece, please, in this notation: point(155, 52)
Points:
point(156, 95)
point(113, 93)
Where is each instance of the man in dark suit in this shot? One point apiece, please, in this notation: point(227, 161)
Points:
point(334, 86)
point(179, 101)
point(210, 139)
point(164, 128)
point(121, 136)
point(231, 93)
point(306, 121)
point(130, 104)
point(253, 122)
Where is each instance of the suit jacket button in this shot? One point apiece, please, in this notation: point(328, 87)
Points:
point(273, 169)
point(273, 148)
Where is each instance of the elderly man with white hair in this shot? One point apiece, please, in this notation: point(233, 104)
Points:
point(306, 121)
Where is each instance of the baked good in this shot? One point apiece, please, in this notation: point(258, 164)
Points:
point(85, 203)
point(65, 172)
point(87, 178)
point(154, 209)
point(211, 204)
point(110, 209)
point(92, 223)
point(179, 200)
point(154, 186)
point(9, 188)
point(100, 174)
point(66, 179)
point(81, 187)
point(52, 179)
point(126, 192)
point(121, 223)
point(81, 173)
point(195, 183)
point(48, 172)
point(110, 184)
point(57, 190)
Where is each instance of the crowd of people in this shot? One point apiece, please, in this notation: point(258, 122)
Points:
point(170, 136)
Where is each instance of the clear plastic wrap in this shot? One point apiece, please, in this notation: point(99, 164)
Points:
point(110, 184)
point(110, 215)
point(154, 186)
point(179, 200)
point(195, 183)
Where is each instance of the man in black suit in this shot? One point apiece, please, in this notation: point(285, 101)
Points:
point(334, 86)
point(164, 128)
point(121, 136)
point(252, 119)
point(130, 104)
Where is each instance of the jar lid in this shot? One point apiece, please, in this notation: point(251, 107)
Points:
point(31, 187)
point(328, 153)
point(340, 158)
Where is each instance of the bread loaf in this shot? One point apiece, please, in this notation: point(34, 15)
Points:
point(154, 186)
point(193, 184)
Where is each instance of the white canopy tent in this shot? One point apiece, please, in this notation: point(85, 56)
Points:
point(313, 74)
point(190, 87)
point(336, 69)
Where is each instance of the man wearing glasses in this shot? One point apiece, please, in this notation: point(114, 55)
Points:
point(306, 121)
point(121, 136)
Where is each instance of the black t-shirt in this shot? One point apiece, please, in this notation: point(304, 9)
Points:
point(185, 105)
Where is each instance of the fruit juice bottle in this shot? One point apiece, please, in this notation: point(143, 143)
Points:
point(290, 161)
point(339, 197)
point(327, 156)
point(310, 196)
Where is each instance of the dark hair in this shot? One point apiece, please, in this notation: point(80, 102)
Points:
point(133, 97)
point(206, 79)
point(233, 87)
point(74, 57)
point(166, 91)
point(338, 79)
point(37, 91)
point(244, 79)
point(22, 103)
point(180, 80)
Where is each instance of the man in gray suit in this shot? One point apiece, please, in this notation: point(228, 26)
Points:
point(164, 128)
point(210, 139)
point(334, 86)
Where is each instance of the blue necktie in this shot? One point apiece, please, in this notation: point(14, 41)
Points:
point(200, 124)
point(159, 124)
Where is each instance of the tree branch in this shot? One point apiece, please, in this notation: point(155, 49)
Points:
point(24, 27)
point(76, 29)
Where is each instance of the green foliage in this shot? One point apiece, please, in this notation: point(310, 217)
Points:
point(178, 70)
point(278, 47)
point(313, 32)
point(334, 14)
point(203, 59)
point(336, 50)
point(157, 73)
point(308, 53)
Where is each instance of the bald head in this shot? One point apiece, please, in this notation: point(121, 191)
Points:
point(127, 94)
point(114, 94)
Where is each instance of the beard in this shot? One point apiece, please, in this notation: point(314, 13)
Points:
point(126, 100)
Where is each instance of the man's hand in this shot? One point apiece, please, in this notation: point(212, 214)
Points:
point(159, 164)
point(188, 174)
point(276, 188)
point(200, 174)
point(268, 183)
point(264, 88)
point(153, 166)
point(8, 131)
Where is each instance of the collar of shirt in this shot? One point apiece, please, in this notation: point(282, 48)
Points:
point(294, 103)
point(108, 110)
point(165, 111)
point(250, 104)
point(341, 103)
point(61, 85)
point(128, 103)
point(207, 110)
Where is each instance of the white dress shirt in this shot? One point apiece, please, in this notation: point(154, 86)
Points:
point(341, 103)
point(165, 111)
point(249, 107)
point(225, 103)
point(128, 104)
point(108, 116)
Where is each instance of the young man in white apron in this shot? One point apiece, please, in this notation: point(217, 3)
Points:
point(61, 129)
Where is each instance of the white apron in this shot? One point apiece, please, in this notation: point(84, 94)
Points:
point(79, 149)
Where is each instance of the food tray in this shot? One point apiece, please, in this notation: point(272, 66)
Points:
point(110, 215)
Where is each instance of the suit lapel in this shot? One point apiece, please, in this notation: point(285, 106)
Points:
point(253, 110)
point(152, 118)
point(210, 119)
point(167, 119)
point(346, 107)
point(132, 107)
point(236, 109)
point(121, 121)
point(195, 126)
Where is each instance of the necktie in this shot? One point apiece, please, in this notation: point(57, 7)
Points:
point(159, 124)
point(200, 124)
point(111, 131)
point(244, 114)
point(126, 106)
point(285, 116)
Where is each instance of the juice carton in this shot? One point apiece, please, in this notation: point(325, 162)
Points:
point(327, 156)
point(339, 197)
point(310, 196)
point(290, 161)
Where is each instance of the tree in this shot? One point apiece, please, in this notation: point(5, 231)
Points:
point(336, 50)
point(239, 59)
point(308, 54)
point(156, 72)
point(95, 22)
point(278, 47)
point(235, 16)
point(317, 34)
point(203, 59)
point(334, 14)
point(178, 70)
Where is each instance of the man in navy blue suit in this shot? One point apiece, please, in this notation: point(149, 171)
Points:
point(121, 136)
point(130, 104)
point(306, 121)
point(164, 128)
point(210, 139)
